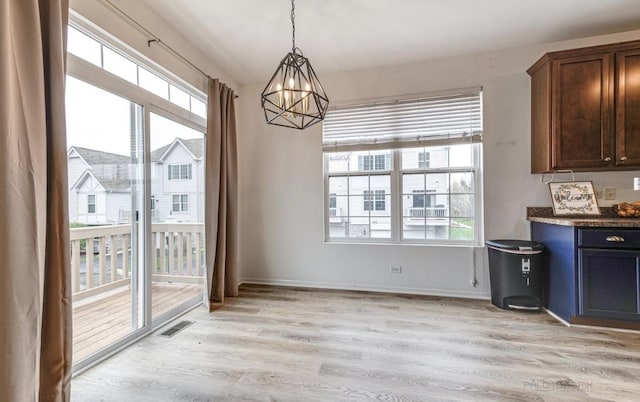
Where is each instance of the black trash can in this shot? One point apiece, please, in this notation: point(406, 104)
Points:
point(515, 270)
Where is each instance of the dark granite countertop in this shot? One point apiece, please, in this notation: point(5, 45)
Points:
point(608, 218)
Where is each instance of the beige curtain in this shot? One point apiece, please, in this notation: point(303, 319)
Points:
point(35, 309)
point(221, 192)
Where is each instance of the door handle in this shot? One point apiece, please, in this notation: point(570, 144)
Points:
point(615, 239)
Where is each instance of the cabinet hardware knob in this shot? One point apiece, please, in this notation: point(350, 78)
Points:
point(615, 238)
point(624, 158)
point(607, 159)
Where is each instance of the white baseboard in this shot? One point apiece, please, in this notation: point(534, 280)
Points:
point(557, 317)
point(552, 314)
point(368, 288)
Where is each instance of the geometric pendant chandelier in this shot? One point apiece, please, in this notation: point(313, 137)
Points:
point(294, 96)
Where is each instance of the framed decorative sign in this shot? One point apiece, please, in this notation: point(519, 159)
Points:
point(574, 198)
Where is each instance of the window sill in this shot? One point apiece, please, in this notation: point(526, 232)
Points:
point(402, 244)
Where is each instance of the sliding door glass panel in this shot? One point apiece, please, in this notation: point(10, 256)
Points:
point(104, 139)
point(177, 216)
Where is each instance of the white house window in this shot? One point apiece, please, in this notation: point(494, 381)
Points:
point(180, 203)
point(374, 200)
point(91, 204)
point(179, 171)
point(332, 201)
point(423, 160)
point(374, 162)
point(405, 171)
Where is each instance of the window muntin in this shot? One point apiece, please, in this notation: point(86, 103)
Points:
point(91, 204)
point(180, 203)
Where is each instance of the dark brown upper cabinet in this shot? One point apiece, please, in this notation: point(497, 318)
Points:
point(628, 108)
point(585, 109)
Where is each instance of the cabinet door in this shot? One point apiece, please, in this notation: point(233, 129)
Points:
point(582, 131)
point(609, 283)
point(628, 108)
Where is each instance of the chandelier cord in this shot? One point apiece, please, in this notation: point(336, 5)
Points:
point(293, 24)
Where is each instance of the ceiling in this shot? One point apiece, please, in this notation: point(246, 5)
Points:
point(248, 38)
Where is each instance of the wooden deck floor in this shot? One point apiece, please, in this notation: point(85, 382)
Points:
point(105, 319)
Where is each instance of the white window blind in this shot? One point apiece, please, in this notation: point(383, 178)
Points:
point(425, 121)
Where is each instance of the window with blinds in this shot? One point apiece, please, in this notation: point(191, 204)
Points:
point(405, 171)
point(425, 121)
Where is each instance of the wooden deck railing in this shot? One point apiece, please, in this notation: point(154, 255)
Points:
point(101, 256)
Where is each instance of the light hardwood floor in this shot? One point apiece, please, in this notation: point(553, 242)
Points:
point(106, 318)
point(286, 344)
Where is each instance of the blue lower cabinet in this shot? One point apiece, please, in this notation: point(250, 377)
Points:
point(609, 283)
point(591, 273)
point(559, 274)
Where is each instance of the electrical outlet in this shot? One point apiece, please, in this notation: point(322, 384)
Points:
point(609, 193)
point(395, 270)
point(598, 193)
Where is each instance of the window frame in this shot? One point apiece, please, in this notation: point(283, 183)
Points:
point(149, 104)
point(396, 191)
point(91, 204)
point(183, 206)
point(154, 69)
point(175, 171)
point(424, 160)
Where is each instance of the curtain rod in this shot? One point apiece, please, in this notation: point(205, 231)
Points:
point(155, 38)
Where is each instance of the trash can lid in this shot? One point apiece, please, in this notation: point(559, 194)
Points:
point(515, 245)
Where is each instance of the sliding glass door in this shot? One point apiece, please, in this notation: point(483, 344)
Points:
point(136, 194)
point(177, 215)
point(105, 139)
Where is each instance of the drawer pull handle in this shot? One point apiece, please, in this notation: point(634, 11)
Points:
point(615, 238)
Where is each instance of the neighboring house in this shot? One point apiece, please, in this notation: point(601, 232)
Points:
point(366, 204)
point(177, 181)
point(100, 185)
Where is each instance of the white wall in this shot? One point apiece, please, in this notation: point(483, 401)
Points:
point(281, 181)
